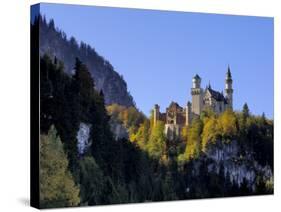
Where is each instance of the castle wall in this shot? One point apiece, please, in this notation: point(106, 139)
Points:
point(229, 101)
point(172, 131)
point(197, 101)
point(188, 114)
point(217, 107)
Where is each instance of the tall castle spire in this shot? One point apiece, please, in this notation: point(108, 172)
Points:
point(228, 88)
point(228, 74)
point(209, 86)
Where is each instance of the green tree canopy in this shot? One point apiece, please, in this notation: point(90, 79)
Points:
point(92, 182)
point(246, 111)
point(193, 144)
point(157, 141)
point(57, 187)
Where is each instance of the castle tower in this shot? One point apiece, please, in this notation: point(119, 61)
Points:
point(188, 114)
point(156, 113)
point(228, 89)
point(197, 95)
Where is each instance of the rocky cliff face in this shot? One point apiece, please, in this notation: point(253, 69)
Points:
point(237, 164)
point(118, 129)
point(55, 43)
point(83, 136)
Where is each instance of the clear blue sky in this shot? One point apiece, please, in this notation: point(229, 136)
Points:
point(158, 52)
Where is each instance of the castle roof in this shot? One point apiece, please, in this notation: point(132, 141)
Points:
point(196, 77)
point(228, 73)
point(174, 104)
point(216, 95)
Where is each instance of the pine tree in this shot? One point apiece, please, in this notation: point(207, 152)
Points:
point(91, 181)
point(83, 86)
point(57, 187)
point(245, 111)
point(52, 24)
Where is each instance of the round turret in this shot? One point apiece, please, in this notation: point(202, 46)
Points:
point(196, 81)
point(156, 113)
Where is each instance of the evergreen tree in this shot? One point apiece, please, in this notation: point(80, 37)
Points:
point(91, 181)
point(83, 86)
point(245, 111)
point(52, 24)
point(263, 119)
point(57, 187)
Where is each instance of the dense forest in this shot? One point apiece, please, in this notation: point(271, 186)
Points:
point(93, 153)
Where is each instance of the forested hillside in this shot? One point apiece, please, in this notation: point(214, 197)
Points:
point(109, 170)
point(224, 155)
point(55, 43)
point(217, 155)
point(92, 153)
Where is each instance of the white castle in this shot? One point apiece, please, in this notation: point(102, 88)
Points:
point(176, 116)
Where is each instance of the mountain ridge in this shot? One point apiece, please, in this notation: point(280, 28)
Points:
point(55, 43)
